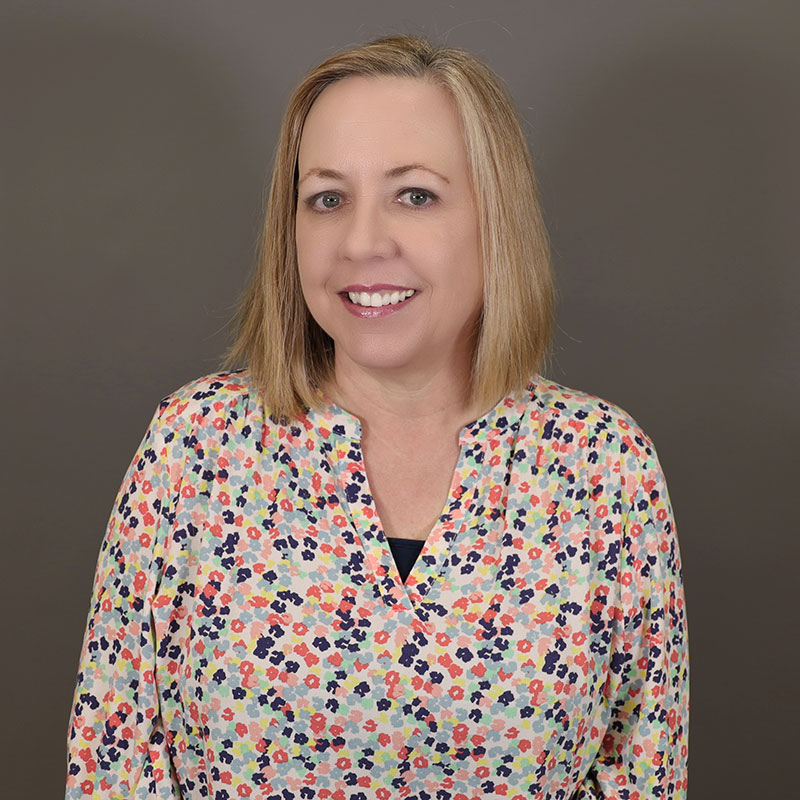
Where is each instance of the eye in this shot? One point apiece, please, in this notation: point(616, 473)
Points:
point(418, 197)
point(324, 202)
point(328, 200)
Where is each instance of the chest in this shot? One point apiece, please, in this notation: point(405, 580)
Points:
point(279, 602)
point(411, 487)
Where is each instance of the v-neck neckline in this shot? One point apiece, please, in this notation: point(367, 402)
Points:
point(469, 477)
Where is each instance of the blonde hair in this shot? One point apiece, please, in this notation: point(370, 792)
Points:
point(289, 355)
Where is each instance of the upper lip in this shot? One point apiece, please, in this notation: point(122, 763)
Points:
point(375, 287)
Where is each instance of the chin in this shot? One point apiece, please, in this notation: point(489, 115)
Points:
point(379, 353)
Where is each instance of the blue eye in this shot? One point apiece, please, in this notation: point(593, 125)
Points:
point(415, 194)
point(329, 196)
point(330, 201)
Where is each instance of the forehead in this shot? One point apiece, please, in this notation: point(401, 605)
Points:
point(382, 119)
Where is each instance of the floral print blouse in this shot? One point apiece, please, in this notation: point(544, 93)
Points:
point(249, 635)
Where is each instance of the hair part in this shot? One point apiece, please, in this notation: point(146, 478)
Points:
point(289, 356)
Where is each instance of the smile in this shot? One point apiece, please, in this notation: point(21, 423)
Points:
point(378, 299)
point(374, 305)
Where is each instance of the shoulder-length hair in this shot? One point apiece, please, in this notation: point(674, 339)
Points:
point(289, 356)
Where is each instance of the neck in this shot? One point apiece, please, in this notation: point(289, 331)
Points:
point(384, 400)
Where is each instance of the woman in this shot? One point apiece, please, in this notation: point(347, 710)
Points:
point(388, 559)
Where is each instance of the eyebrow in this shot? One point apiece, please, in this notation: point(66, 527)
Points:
point(395, 172)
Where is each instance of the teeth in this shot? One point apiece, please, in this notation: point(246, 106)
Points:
point(376, 300)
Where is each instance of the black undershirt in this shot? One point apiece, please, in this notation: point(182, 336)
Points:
point(405, 552)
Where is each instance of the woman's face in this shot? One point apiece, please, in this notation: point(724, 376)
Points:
point(387, 234)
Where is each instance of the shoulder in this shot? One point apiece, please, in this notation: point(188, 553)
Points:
point(595, 421)
point(588, 409)
point(210, 400)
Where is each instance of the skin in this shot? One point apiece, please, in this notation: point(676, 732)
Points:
point(404, 375)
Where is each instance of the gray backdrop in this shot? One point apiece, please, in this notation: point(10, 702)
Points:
point(136, 138)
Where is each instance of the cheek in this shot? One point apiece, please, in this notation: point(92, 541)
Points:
point(462, 240)
point(467, 264)
point(310, 261)
point(304, 247)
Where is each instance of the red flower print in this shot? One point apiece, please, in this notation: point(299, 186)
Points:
point(140, 580)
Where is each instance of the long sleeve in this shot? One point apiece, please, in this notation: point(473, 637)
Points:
point(644, 751)
point(116, 744)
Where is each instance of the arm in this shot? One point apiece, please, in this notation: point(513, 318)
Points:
point(116, 743)
point(644, 752)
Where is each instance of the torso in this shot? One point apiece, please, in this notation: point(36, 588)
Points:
point(277, 614)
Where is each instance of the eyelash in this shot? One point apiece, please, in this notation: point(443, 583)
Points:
point(311, 201)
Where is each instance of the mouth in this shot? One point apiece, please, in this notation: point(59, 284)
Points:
point(378, 299)
point(376, 303)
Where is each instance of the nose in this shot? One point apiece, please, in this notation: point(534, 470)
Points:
point(366, 233)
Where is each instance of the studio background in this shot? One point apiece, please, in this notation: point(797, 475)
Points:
point(136, 143)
